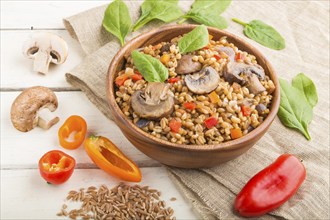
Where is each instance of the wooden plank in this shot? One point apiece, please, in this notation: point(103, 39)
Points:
point(41, 14)
point(25, 195)
point(23, 150)
point(15, 67)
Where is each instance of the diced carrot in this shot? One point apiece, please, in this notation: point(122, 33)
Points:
point(210, 122)
point(214, 97)
point(217, 57)
point(121, 79)
point(189, 105)
point(175, 125)
point(246, 110)
point(235, 133)
point(173, 80)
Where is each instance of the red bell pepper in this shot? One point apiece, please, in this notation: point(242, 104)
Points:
point(246, 110)
point(271, 187)
point(136, 76)
point(173, 80)
point(189, 105)
point(175, 125)
point(217, 57)
point(56, 167)
point(238, 56)
point(210, 122)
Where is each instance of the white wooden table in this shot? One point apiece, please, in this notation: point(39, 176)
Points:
point(24, 194)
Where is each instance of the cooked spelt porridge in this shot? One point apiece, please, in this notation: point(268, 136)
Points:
point(212, 95)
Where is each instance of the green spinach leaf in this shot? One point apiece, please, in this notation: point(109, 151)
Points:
point(208, 13)
point(151, 68)
point(307, 87)
point(211, 6)
point(263, 34)
point(165, 11)
point(117, 20)
point(194, 40)
point(208, 19)
point(294, 112)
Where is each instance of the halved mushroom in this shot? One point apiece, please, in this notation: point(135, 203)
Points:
point(45, 48)
point(203, 81)
point(243, 73)
point(155, 102)
point(228, 51)
point(34, 106)
point(186, 65)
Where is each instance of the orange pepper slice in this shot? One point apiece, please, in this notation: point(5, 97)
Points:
point(109, 158)
point(214, 97)
point(75, 124)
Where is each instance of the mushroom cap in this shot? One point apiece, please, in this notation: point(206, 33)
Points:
point(233, 70)
point(203, 81)
point(186, 65)
point(26, 105)
point(48, 43)
point(155, 102)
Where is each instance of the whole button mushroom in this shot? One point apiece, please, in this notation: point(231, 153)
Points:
point(203, 81)
point(45, 48)
point(34, 106)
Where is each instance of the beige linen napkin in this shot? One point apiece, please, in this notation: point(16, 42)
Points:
point(305, 26)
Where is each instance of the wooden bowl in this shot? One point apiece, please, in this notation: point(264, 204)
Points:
point(186, 156)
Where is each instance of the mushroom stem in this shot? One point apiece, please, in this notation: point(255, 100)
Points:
point(41, 62)
point(46, 118)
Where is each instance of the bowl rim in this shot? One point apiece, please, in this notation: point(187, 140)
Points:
point(228, 145)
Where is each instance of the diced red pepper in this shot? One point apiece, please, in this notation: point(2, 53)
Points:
point(136, 76)
point(173, 80)
point(210, 122)
point(189, 105)
point(217, 57)
point(238, 56)
point(205, 48)
point(175, 125)
point(246, 110)
point(121, 79)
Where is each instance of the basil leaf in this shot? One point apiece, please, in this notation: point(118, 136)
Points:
point(307, 87)
point(263, 34)
point(194, 40)
point(117, 20)
point(294, 112)
point(208, 19)
point(151, 68)
point(165, 11)
point(209, 7)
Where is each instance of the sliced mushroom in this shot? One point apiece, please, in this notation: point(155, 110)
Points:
point(203, 81)
point(254, 85)
point(228, 51)
point(186, 65)
point(233, 71)
point(45, 48)
point(34, 106)
point(155, 102)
